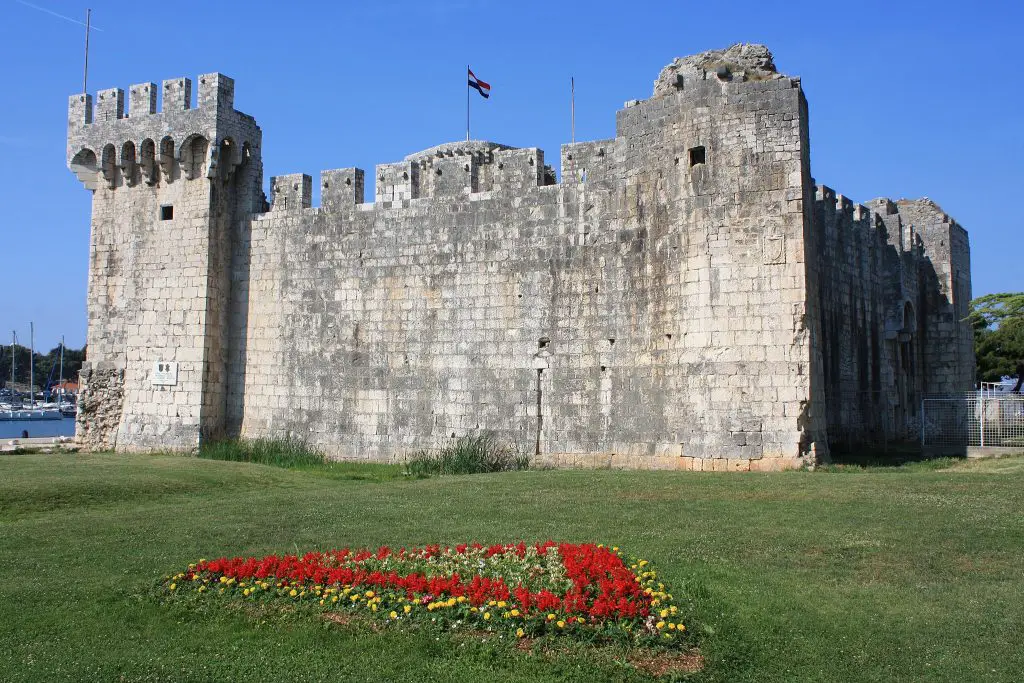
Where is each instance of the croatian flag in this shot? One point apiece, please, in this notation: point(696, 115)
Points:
point(483, 88)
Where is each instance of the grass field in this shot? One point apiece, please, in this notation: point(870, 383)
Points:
point(909, 573)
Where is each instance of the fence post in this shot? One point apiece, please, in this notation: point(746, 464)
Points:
point(921, 418)
point(982, 399)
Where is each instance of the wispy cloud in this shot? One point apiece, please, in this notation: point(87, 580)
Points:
point(55, 14)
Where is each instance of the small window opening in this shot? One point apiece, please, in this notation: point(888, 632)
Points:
point(543, 342)
point(603, 368)
point(668, 336)
point(611, 340)
point(697, 155)
point(167, 212)
point(437, 171)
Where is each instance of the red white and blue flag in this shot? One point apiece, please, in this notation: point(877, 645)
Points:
point(483, 88)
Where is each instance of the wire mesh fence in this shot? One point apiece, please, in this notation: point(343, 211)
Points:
point(980, 419)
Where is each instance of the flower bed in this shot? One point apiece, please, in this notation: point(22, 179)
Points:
point(526, 590)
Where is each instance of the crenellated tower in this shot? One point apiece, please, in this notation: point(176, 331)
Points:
point(169, 188)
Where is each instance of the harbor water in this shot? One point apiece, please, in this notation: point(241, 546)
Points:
point(37, 428)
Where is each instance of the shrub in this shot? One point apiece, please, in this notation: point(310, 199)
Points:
point(288, 452)
point(468, 455)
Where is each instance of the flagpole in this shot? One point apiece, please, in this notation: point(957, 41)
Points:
point(467, 104)
point(85, 75)
point(572, 125)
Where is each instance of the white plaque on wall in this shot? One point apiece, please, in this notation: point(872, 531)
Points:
point(165, 373)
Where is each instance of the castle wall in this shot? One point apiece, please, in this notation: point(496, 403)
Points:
point(682, 299)
point(649, 315)
point(892, 320)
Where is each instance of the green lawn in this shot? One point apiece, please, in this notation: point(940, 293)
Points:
point(911, 573)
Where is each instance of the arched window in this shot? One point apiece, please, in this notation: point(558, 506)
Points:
point(108, 167)
point(147, 161)
point(128, 163)
point(167, 158)
point(192, 156)
point(86, 168)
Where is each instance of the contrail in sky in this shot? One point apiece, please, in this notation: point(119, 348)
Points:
point(59, 16)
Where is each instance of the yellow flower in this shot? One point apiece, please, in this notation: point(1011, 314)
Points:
point(374, 607)
point(293, 592)
point(660, 625)
point(202, 589)
point(487, 616)
point(514, 612)
point(681, 627)
point(560, 623)
point(393, 615)
point(321, 601)
point(223, 579)
point(173, 586)
point(368, 594)
point(334, 598)
point(407, 609)
point(581, 620)
point(246, 592)
point(461, 599)
point(520, 633)
point(551, 617)
point(663, 613)
point(671, 626)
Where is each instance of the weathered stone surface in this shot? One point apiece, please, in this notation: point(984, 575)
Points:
point(742, 61)
point(683, 298)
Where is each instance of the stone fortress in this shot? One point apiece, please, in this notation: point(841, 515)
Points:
point(685, 296)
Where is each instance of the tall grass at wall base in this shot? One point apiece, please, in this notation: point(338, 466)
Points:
point(277, 452)
point(468, 455)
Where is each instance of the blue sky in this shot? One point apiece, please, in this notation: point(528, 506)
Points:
point(906, 99)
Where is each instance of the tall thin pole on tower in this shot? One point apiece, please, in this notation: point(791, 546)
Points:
point(32, 362)
point(14, 356)
point(85, 74)
point(572, 128)
point(467, 106)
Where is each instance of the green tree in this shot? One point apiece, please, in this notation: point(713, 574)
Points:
point(43, 364)
point(998, 321)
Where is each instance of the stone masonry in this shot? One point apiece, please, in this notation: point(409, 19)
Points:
point(685, 297)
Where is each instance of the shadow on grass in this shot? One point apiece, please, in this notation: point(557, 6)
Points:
point(907, 456)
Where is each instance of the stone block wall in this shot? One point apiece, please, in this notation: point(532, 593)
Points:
point(682, 299)
point(166, 190)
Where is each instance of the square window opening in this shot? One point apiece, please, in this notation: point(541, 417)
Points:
point(697, 155)
point(166, 212)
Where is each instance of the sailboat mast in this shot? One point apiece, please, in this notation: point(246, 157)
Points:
point(60, 392)
point(32, 362)
point(14, 356)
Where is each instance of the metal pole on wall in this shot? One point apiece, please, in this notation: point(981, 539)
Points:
point(922, 424)
point(982, 420)
point(467, 106)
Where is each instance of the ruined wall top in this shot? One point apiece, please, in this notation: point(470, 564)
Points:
point(741, 62)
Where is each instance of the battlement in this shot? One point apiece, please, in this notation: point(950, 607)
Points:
point(111, 147)
point(216, 92)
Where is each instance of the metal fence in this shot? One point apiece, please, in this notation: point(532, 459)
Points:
point(982, 419)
